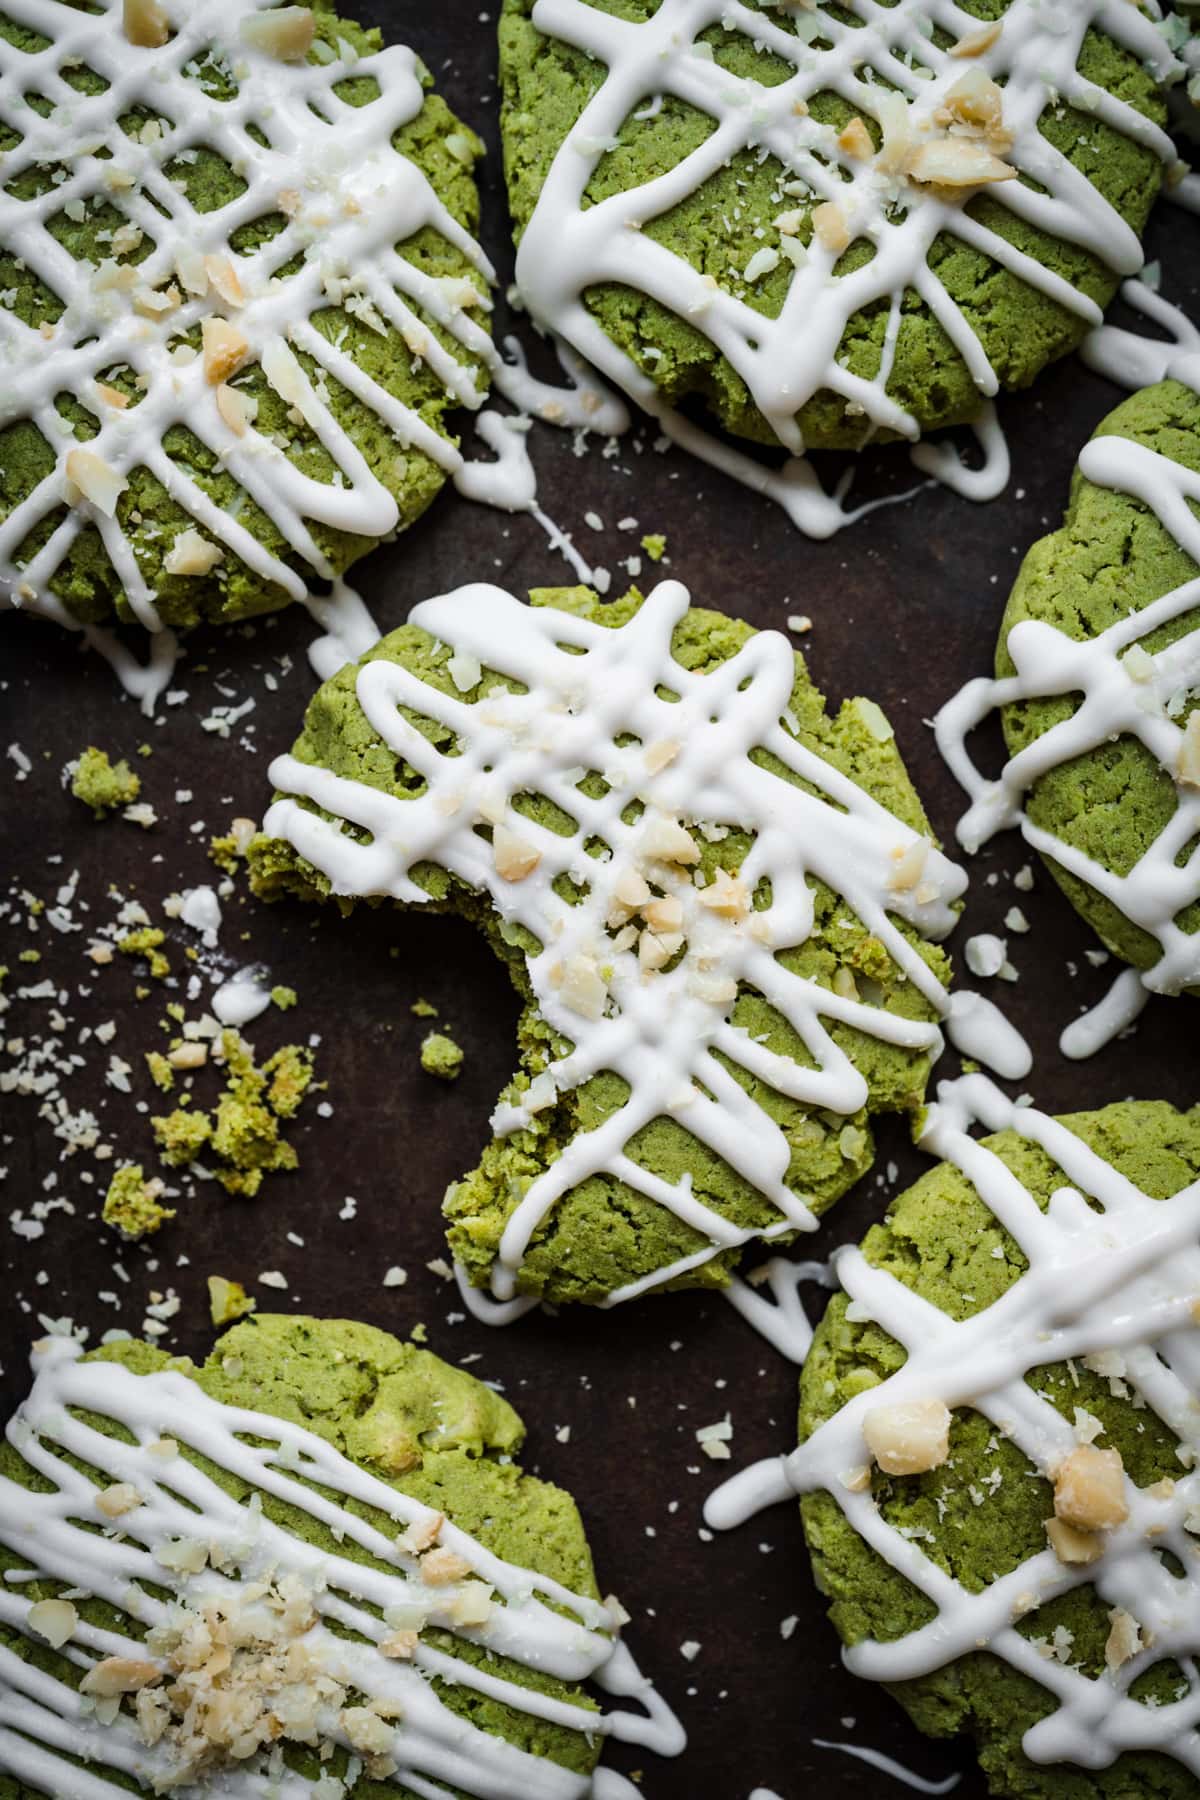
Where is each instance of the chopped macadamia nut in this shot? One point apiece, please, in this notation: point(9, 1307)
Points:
point(112, 396)
point(121, 1497)
point(189, 266)
point(831, 226)
point(630, 891)
point(96, 480)
point(399, 1645)
point(238, 410)
point(909, 865)
point(856, 140)
point(191, 554)
point(1089, 1489)
point(957, 162)
point(286, 32)
point(224, 278)
point(422, 1534)
point(582, 987)
point(974, 43)
point(366, 1730)
point(1189, 753)
point(153, 303)
point(225, 350)
point(975, 99)
point(118, 1675)
point(654, 951)
point(668, 841)
point(726, 895)
point(440, 1567)
point(910, 1437)
point(144, 23)
point(54, 1621)
point(514, 856)
point(1072, 1546)
point(664, 914)
point(472, 1605)
point(1124, 1640)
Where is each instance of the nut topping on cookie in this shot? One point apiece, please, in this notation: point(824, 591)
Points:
point(909, 1438)
point(1089, 1489)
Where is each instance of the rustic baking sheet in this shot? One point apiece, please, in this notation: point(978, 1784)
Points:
point(904, 608)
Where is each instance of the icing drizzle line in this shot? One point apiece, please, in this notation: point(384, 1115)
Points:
point(664, 1027)
point(1125, 692)
point(1123, 1275)
point(569, 247)
point(539, 1624)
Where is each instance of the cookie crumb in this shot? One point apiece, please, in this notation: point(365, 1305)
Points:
point(131, 1205)
point(441, 1056)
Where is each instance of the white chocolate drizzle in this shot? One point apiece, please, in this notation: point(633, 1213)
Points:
point(1125, 691)
point(782, 1319)
point(570, 246)
point(533, 1619)
point(887, 1765)
point(658, 1014)
point(1110, 1269)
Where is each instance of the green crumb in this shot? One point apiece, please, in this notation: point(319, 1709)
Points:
point(224, 852)
point(29, 956)
point(131, 1204)
point(229, 850)
point(228, 1300)
point(147, 941)
point(655, 545)
point(161, 1072)
point(103, 785)
point(441, 1056)
point(290, 1071)
point(246, 1133)
point(284, 997)
point(181, 1135)
point(423, 1009)
point(242, 1131)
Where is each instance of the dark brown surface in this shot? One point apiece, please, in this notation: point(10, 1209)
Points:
point(905, 607)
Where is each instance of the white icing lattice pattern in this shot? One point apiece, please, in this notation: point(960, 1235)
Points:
point(348, 197)
point(1031, 63)
point(1121, 1274)
point(169, 1506)
point(1125, 692)
point(609, 975)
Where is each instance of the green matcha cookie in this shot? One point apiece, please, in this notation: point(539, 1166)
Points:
point(242, 301)
point(717, 901)
point(1098, 670)
point(1030, 1574)
point(827, 223)
point(313, 1557)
